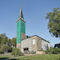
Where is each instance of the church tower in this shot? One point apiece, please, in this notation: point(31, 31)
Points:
point(20, 29)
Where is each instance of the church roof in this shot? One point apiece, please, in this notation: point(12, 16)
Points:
point(39, 37)
point(21, 14)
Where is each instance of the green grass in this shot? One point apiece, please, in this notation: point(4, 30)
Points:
point(4, 57)
point(41, 57)
point(37, 57)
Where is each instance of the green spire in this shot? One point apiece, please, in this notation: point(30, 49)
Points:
point(21, 14)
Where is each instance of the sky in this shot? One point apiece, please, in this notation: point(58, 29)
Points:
point(34, 12)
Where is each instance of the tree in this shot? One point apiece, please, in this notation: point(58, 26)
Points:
point(3, 39)
point(13, 42)
point(5, 43)
point(5, 48)
point(54, 22)
point(9, 42)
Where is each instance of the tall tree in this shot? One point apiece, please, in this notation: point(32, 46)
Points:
point(54, 22)
point(13, 41)
point(3, 38)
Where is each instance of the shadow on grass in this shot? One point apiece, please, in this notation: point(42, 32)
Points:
point(20, 59)
point(13, 59)
point(7, 59)
point(3, 58)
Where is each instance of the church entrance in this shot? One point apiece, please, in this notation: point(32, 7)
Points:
point(26, 50)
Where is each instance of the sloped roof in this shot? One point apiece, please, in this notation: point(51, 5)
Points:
point(39, 37)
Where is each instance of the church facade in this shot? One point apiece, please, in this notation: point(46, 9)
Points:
point(34, 44)
point(31, 44)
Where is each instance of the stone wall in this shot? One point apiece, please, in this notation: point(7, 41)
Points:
point(45, 45)
point(27, 43)
point(34, 44)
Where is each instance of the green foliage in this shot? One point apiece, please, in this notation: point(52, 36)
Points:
point(54, 22)
point(4, 48)
point(56, 51)
point(1, 51)
point(3, 43)
point(16, 52)
point(3, 39)
point(6, 43)
point(50, 51)
point(53, 51)
point(13, 42)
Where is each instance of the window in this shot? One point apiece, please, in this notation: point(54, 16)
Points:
point(34, 41)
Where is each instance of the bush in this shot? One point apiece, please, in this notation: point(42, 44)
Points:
point(53, 51)
point(4, 49)
point(1, 51)
point(17, 52)
point(56, 51)
point(49, 51)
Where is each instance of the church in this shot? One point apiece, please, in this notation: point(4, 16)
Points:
point(29, 44)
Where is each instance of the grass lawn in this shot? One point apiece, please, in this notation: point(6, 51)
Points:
point(39, 57)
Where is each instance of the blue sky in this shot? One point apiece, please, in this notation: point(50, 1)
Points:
point(34, 12)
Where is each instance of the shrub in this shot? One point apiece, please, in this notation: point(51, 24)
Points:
point(1, 51)
point(56, 51)
point(4, 49)
point(17, 52)
point(50, 51)
point(53, 51)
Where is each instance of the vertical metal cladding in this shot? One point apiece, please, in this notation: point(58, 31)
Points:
point(20, 30)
